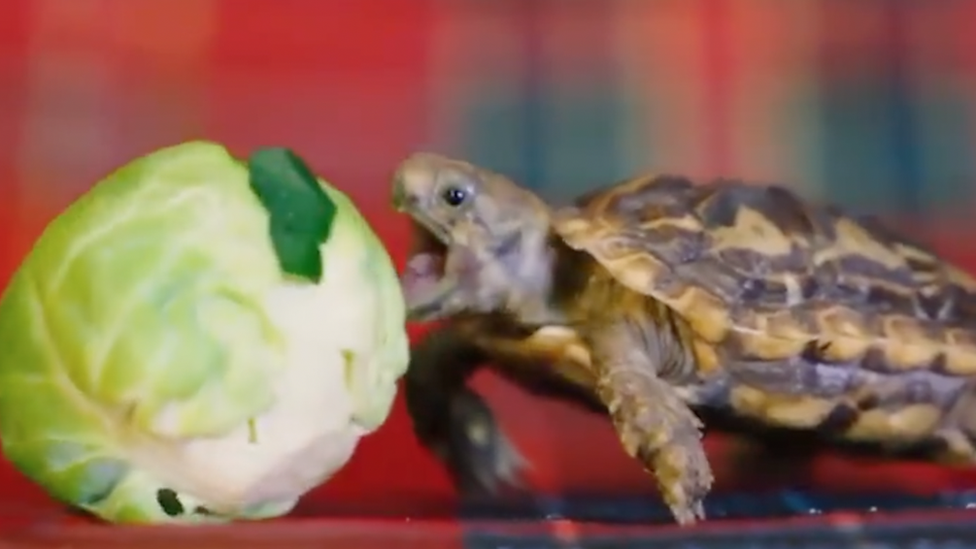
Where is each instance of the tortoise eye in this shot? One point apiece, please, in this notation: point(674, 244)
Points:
point(454, 196)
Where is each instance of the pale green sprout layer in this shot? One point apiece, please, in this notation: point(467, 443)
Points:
point(153, 315)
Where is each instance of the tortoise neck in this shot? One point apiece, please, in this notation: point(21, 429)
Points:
point(533, 264)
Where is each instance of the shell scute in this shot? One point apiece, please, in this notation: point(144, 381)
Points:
point(840, 350)
point(799, 411)
point(960, 352)
point(759, 345)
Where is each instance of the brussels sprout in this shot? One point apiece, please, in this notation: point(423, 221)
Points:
point(198, 339)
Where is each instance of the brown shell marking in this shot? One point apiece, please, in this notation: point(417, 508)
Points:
point(782, 276)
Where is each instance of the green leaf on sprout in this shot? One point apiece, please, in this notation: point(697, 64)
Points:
point(301, 213)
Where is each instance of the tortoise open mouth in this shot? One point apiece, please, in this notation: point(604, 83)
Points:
point(425, 265)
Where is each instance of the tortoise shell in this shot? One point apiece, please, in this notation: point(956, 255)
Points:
point(767, 280)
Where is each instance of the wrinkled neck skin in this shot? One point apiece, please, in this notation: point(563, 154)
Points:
point(513, 276)
point(532, 280)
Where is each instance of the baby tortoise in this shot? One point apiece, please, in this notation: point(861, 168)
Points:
point(655, 295)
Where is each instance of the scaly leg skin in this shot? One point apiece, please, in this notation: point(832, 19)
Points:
point(453, 421)
point(958, 433)
point(654, 424)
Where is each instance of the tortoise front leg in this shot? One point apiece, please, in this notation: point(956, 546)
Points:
point(453, 421)
point(653, 422)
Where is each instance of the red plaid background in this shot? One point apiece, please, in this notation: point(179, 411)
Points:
point(872, 103)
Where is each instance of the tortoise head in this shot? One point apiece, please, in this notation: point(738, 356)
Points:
point(479, 240)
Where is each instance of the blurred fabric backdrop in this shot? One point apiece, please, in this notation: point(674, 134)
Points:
point(870, 103)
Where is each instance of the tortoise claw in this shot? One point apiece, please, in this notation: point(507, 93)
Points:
point(686, 490)
point(483, 460)
point(664, 434)
point(682, 472)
